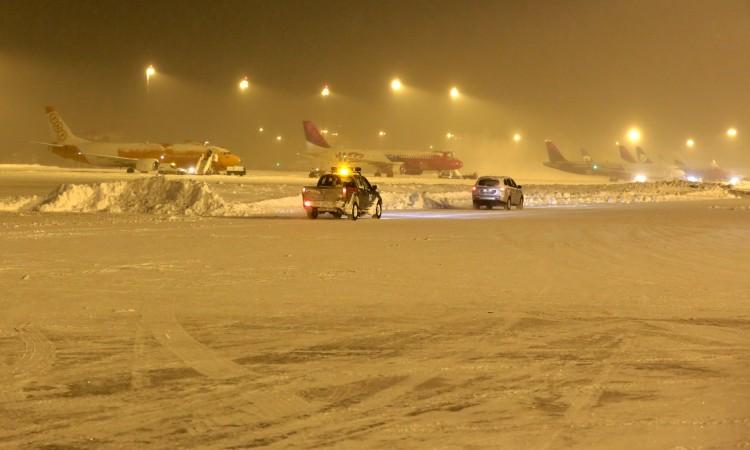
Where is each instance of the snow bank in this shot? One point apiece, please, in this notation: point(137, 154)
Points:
point(15, 204)
point(157, 195)
point(162, 195)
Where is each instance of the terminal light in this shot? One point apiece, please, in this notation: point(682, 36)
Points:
point(690, 143)
point(454, 93)
point(517, 137)
point(732, 133)
point(381, 133)
point(396, 85)
point(278, 138)
point(326, 91)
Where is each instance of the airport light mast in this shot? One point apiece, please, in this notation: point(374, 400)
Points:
point(244, 84)
point(150, 72)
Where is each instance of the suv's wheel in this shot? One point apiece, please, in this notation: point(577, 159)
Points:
point(355, 212)
point(312, 213)
point(507, 203)
point(488, 205)
point(520, 204)
point(476, 204)
point(378, 211)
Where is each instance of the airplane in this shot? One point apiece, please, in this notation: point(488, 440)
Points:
point(409, 163)
point(644, 169)
point(143, 157)
point(712, 173)
point(557, 161)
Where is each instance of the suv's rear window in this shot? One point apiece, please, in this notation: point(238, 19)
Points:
point(489, 182)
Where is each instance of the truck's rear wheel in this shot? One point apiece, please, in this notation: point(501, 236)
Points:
point(355, 212)
point(312, 213)
point(336, 215)
point(378, 211)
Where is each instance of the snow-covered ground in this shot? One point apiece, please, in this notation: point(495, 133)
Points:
point(171, 316)
point(619, 327)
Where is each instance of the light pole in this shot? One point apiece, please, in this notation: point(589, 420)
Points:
point(396, 85)
point(150, 72)
point(634, 135)
point(244, 84)
point(454, 93)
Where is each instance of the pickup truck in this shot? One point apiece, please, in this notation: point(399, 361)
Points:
point(341, 193)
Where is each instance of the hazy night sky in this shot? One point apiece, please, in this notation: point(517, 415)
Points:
point(578, 72)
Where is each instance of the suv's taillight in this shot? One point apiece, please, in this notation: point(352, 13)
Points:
point(473, 188)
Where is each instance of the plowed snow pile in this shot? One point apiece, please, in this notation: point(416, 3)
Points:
point(156, 195)
point(160, 195)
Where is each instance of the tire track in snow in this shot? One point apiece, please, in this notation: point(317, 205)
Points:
point(587, 399)
point(37, 358)
point(162, 322)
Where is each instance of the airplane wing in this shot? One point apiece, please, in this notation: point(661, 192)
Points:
point(48, 144)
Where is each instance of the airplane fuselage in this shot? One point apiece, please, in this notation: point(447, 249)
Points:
point(612, 171)
point(182, 156)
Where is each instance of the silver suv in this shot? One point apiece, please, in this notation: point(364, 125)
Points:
point(492, 191)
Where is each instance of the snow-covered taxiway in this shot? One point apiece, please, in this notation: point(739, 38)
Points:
point(613, 326)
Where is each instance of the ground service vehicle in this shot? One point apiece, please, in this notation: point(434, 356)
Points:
point(342, 192)
point(236, 170)
point(495, 191)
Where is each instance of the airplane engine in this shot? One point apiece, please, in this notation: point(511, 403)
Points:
point(412, 169)
point(147, 165)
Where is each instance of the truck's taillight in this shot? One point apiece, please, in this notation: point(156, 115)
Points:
point(304, 190)
point(343, 192)
point(307, 203)
point(473, 188)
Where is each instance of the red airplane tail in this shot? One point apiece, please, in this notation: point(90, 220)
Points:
point(554, 153)
point(313, 135)
point(626, 155)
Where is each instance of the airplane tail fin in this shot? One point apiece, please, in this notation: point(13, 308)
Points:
point(313, 135)
point(679, 163)
point(714, 164)
point(554, 153)
point(585, 155)
point(625, 154)
point(642, 156)
point(60, 130)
